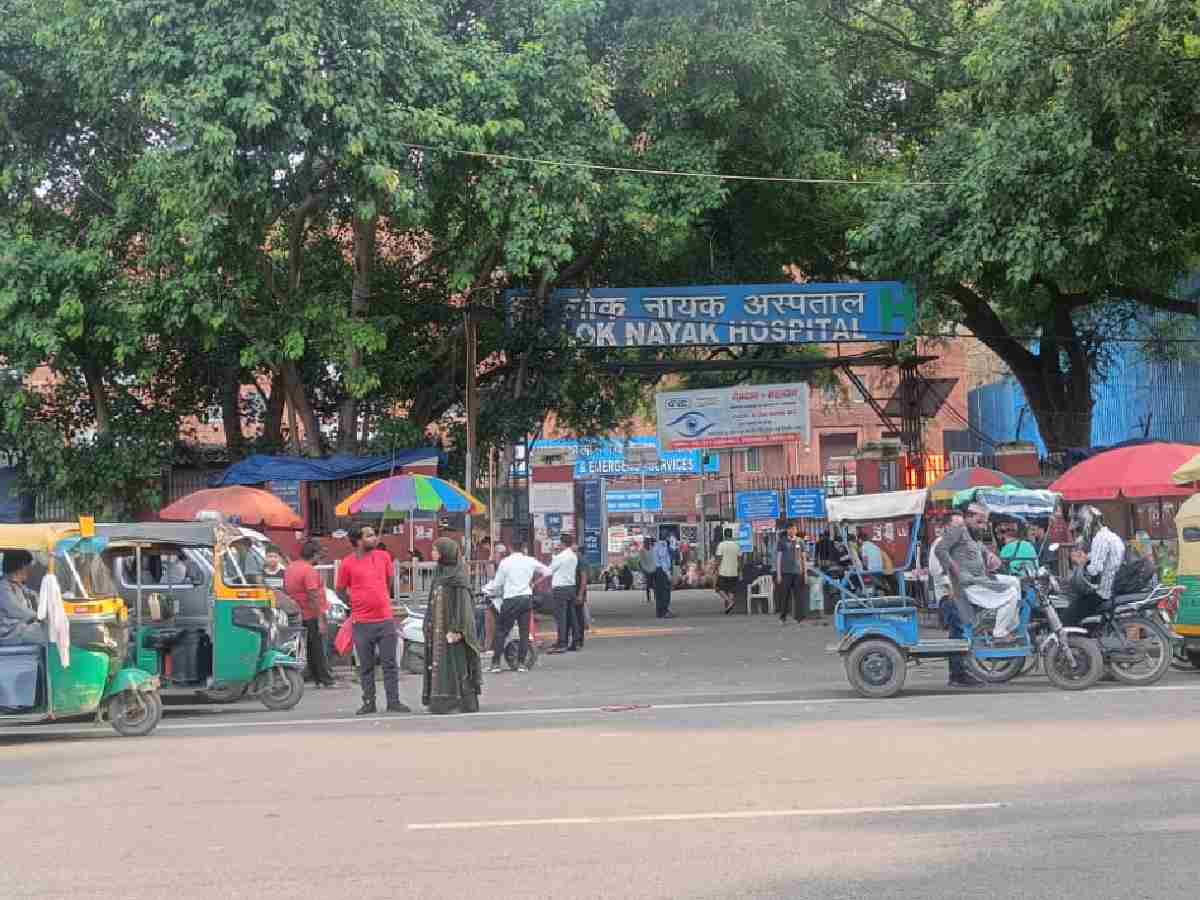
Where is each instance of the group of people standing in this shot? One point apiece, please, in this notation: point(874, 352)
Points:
point(789, 572)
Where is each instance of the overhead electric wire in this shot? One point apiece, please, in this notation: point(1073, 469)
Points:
point(671, 173)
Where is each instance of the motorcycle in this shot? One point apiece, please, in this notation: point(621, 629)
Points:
point(1136, 645)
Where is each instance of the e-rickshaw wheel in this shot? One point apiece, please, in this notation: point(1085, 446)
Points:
point(135, 713)
point(876, 668)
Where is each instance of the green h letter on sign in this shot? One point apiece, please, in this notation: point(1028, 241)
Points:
point(892, 308)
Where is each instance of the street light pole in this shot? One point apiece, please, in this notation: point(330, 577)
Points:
point(472, 412)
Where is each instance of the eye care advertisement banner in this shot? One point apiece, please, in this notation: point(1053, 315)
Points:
point(747, 416)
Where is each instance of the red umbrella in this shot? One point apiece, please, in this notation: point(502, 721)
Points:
point(249, 506)
point(1137, 472)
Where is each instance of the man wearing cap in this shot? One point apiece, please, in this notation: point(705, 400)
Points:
point(974, 568)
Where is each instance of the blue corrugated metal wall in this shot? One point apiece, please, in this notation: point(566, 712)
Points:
point(1135, 395)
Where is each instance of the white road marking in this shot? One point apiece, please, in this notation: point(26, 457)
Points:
point(911, 699)
point(708, 816)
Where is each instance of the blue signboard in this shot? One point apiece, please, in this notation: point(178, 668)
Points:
point(745, 537)
point(289, 493)
point(719, 315)
point(613, 465)
point(635, 501)
point(806, 503)
point(753, 505)
point(554, 524)
point(593, 553)
point(593, 514)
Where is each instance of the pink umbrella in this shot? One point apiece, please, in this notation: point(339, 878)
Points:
point(1137, 472)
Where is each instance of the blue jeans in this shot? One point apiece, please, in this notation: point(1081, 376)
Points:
point(954, 630)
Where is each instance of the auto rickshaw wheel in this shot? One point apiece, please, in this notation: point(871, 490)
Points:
point(284, 690)
point(227, 694)
point(996, 671)
point(135, 713)
point(876, 668)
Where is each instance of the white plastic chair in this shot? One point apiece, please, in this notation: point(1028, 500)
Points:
point(762, 587)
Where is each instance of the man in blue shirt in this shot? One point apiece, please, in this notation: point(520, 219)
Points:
point(662, 580)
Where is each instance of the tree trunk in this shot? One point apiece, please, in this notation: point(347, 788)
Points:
point(310, 442)
point(360, 304)
point(94, 379)
point(231, 411)
point(1062, 410)
point(273, 417)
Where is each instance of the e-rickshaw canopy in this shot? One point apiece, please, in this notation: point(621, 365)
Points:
point(870, 507)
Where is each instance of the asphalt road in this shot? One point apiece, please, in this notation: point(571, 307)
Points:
point(707, 757)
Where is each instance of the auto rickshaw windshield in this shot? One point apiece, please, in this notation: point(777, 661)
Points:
point(81, 572)
point(240, 565)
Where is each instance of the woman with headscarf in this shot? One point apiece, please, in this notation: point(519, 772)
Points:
point(452, 667)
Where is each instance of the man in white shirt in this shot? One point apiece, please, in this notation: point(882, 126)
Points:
point(729, 552)
point(511, 591)
point(563, 568)
point(872, 555)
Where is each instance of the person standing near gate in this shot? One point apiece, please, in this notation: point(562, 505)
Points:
point(789, 574)
point(662, 580)
point(364, 576)
point(563, 570)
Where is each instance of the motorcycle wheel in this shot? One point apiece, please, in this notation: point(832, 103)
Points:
point(510, 655)
point(1089, 664)
point(1154, 653)
point(996, 671)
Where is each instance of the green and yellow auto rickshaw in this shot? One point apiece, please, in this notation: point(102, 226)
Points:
point(201, 623)
point(39, 682)
point(1187, 577)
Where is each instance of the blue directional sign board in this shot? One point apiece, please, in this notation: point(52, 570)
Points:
point(806, 503)
point(635, 501)
point(753, 505)
point(719, 315)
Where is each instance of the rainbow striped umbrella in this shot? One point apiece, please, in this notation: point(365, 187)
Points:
point(406, 493)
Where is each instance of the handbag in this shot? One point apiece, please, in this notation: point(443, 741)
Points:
point(345, 638)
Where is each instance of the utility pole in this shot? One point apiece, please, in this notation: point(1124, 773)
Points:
point(472, 411)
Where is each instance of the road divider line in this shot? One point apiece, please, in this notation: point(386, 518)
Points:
point(916, 809)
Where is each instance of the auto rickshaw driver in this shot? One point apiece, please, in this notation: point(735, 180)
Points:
point(18, 617)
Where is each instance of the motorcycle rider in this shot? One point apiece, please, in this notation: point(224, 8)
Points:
point(1096, 559)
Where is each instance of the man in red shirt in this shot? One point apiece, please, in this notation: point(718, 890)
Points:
point(363, 576)
point(302, 582)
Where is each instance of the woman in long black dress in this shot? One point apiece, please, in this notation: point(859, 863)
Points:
point(452, 667)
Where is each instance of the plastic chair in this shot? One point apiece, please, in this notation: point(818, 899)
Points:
point(762, 588)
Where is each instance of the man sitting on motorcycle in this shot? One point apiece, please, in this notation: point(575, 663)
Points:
point(1097, 558)
point(974, 568)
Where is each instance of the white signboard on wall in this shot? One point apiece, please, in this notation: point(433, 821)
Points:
point(554, 497)
point(748, 416)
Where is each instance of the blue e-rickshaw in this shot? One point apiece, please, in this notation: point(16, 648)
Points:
point(879, 637)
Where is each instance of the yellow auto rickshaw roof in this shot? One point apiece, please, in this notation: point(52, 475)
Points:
point(41, 537)
point(1189, 512)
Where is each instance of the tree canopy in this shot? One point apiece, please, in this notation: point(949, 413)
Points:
point(285, 211)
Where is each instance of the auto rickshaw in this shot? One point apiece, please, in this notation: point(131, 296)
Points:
point(1187, 576)
point(35, 685)
point(210, 629)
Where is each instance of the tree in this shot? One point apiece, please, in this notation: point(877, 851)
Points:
point(1062, 203)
